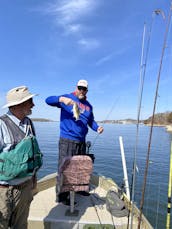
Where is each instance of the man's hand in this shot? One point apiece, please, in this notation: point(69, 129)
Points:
point(100, 129)
point(66, 101)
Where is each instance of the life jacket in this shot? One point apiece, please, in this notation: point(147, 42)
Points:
point(24, 156)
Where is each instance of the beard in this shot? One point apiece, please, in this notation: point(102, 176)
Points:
point(81, 97)
point(28, 112)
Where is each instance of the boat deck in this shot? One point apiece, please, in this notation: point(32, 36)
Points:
point(89, 210)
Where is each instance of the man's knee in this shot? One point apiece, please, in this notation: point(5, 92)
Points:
point(4, 220)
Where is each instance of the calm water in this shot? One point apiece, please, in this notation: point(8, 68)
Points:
point(108, 161)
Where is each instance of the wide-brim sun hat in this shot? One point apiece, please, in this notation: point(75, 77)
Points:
point(17, 96)
point(82, 83)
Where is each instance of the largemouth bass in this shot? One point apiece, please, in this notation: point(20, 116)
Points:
point(76, 111)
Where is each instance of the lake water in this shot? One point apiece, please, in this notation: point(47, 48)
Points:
point(108, 161)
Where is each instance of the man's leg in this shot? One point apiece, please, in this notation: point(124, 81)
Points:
point(5, 209)
point(22, 200)
point(63, 152)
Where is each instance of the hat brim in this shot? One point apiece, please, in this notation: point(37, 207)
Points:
point(19, 102)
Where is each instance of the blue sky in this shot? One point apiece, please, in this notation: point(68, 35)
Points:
point(48, 45)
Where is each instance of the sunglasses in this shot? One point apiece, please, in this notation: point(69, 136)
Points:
point(82, 88)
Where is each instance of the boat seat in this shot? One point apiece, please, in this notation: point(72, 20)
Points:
point(74, 176)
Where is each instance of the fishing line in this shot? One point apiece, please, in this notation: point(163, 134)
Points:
point(160, 166)
point(158, 205)
point(169, 192)
point(106, 118)
point(148, 191)
point(156, 191)
point(95, 207)
point(152, 120)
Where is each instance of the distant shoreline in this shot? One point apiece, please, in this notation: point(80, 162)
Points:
point(42, 120)
point(167, 127)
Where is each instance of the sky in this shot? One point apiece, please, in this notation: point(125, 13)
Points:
point(48, 45)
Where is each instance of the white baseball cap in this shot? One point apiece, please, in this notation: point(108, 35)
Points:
point(82, 83)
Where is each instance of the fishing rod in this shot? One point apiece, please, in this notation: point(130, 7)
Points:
point(169, 192)
point(153, 114)
point(142, 74)
point(141, 86)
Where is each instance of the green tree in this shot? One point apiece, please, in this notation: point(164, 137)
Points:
point(169, 118)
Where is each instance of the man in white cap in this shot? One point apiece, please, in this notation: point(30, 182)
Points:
point(16, 191)
point(73, 124)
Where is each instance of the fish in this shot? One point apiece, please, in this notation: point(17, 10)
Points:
point(76, 111)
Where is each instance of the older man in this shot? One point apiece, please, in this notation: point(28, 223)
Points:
point(73, 130)
point(16, 191)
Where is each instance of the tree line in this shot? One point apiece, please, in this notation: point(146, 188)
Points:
point(161, 118)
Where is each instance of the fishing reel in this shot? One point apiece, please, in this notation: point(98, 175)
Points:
point(91, 155)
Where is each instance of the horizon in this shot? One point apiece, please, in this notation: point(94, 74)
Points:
point(48, 45)
point(106, 120)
